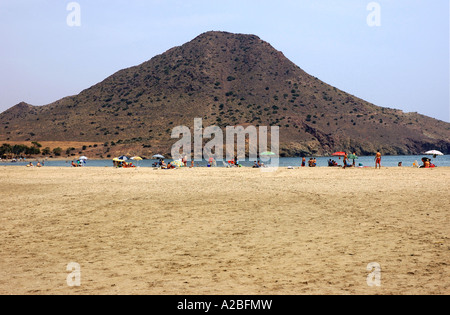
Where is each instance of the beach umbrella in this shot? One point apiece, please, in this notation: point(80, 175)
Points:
point(177, 163)
point(123, 158)
point(158, 156)
point(117, 160)
point(268, 153)
point(352, 157)
point(434, 152)
point(82, 159)
point(339, 154)
point(137, 159)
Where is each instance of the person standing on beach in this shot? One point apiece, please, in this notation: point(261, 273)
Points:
point(378, 160)
point(345, 160)
point(303, 162)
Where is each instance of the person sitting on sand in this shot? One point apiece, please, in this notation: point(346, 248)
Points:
point(38, 164)
point(303, 162)
point(426, 163)
point(312, 162)
point(30, 164)
point(332, 163)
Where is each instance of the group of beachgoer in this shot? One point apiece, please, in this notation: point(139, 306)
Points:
point(123, 164)
point(78, 163)
point(346, 161)
point(311, 163)
point(212, 162)
point(161, 164)
point(427, 163)
point(38, 164)
point(333, 163)
point(258, 164)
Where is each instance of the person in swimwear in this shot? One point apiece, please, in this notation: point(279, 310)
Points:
point(354, 160)
point(378, 160)
point(345, 160)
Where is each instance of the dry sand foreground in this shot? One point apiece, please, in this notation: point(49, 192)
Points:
point(224, 231)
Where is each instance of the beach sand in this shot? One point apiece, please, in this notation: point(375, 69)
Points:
point(224, 231)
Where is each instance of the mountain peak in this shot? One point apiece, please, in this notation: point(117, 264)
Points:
point(21, 107)
point(227, 35)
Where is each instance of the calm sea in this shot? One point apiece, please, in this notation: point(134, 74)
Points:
point(387, 161)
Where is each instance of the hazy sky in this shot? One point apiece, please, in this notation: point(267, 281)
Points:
point(402, 63)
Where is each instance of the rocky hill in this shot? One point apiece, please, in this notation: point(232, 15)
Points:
point(226, 79)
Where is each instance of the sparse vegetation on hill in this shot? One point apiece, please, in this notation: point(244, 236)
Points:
point(226, 79)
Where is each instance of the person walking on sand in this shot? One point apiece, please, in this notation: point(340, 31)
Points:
point(378, 160)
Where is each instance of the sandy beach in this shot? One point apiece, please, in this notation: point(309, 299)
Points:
point(224, 231)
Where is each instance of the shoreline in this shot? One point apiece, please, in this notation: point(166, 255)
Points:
point(149, 159)
point(235, 168)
